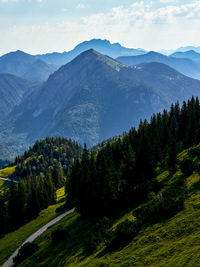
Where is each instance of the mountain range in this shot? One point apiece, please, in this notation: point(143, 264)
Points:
point(184, 65)
point(191, 54)
point(39, 67)
point(102, 46)
point(26, 66)
point(92, 98)
point(188, 48)
point(180, 49)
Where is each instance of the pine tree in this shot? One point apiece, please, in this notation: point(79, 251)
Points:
point(172, 155)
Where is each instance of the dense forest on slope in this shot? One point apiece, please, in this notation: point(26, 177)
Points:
point(49, 153)
point(166, 240)
point(123, 172)
point(40, 171)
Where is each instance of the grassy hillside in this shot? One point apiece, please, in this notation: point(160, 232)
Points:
point(13, 240)
point(6, 172)
point(169, 242)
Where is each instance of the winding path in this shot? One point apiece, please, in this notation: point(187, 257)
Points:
point(10, 180)
point(31, 238)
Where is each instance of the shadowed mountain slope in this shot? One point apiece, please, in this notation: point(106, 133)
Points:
point(26, 66)
point(12, 90)
point(95, 97)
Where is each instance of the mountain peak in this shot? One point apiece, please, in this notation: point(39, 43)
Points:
point(18, 54)
point(92, 55)
point(153, 53)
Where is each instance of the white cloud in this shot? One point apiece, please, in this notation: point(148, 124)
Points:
point(139, 25)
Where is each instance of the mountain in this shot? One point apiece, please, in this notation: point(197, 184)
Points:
point(191, 54)
point(102, 46)
point(26, 66)
point(5, 154)
point(188, 48)
point(106, 99)
point(185, 66)
point(97, 105)
point(171, 84)
point(12, 90)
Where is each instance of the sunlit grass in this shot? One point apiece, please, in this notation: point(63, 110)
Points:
point(6, 172)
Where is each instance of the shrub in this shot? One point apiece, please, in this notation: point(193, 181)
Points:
point(92, 242)
point(25, 252)
point(194, 152)
point(124, 233)
point(165, 204)
point(101, 233)
point(59, 235)
point(187, 167)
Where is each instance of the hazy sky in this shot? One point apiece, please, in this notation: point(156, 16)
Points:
point(38, 26)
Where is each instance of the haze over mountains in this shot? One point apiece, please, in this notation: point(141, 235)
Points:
point(191, 54)
point(91, 98)
point(182, 64)
point(102, 46)
point(39, 67)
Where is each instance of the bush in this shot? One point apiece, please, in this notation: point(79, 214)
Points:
point(59, 235)
point(165, 204)
point(124, 233)
point(25, 252)
point(194, 152)
point(92, 242)
point(101, 233)
point(187, 167)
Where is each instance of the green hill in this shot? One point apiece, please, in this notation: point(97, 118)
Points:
point(40, 171)
point(48, 153)
point(168, 242)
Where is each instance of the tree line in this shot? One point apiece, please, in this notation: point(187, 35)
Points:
point(40, 171)
point(23, 201)
point(55, 153)
point(123, 171)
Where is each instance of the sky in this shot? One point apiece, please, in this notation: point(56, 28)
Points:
point(41, 26)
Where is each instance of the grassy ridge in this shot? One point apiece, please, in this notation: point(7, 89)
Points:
point(171, 242)
point(13, 240)
point(6, 172)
